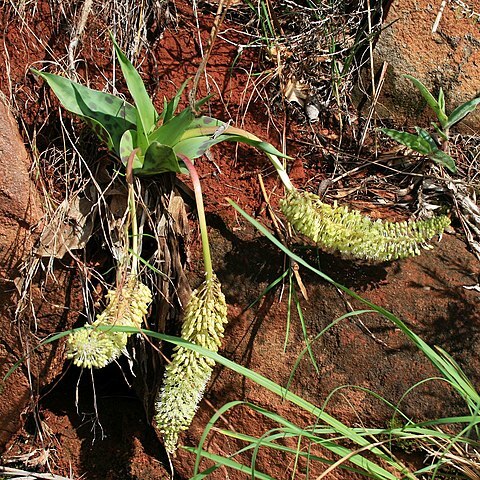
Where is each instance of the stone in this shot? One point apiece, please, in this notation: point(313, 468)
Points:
point(20, 212)
point(448, 58)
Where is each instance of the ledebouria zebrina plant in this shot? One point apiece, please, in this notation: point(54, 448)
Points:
point(188, 373)
point(147, 143)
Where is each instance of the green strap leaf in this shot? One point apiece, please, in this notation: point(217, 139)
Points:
point(127, 144)
point(99, 130)
point(441, 99)
point(434, 105)
point(115, 127)
point(461, 112)
point(414, 142)
point(213, 129)
point(171, 107)
point(440, 132)
point(171, 131)
point(426, 136)
point(443, 159)
point(147, 113)
point(98, 102)
point(195, 147)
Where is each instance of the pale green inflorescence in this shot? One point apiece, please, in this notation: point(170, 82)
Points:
point(187, 375)
point(336, 228)
point(126, 306)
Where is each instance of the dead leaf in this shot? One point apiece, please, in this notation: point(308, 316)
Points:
point(295, 91)
point(70, 228)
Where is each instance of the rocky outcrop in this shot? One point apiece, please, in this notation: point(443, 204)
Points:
point(447, 58)
point(20, 211)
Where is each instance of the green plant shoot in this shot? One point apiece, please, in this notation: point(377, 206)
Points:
point(423, 142)
point(158, 140)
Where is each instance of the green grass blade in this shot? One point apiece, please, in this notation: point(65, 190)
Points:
point(304, 331)
point(269, 442)
point(147, 113)
point(322, 416)
point(289, 309)
point(227, 462)
point(270, 287)
point(320, 334)
point(339, 450)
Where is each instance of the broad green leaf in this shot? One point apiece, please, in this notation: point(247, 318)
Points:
point(462, 111)
point(443, 159)
point(171, 107)
point(127, 144)
point(159, 159)
point(213, 128)
point(98, 102)
point(171, 131)
point(142, 138)
point(205, 121)
point(99, 130)
point(195, 147)
point(411, 141)
point(115, 126)
point(136, 87)
point(101, 111)
point(442, 117)
point(426, 136)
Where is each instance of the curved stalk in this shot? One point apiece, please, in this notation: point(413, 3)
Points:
point(282, 173)
point(207, 259)
point(133, 212)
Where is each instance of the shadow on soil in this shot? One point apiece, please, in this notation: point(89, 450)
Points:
point(110, 423)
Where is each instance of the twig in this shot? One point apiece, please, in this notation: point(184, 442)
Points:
point(15, 472)
point(376, 94)
point(439, 16)
point(87, 6)
point(219, 17)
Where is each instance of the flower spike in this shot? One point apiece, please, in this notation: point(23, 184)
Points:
point(336, 228)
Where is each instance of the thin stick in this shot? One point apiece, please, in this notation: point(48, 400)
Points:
point(439, 16)
point(219, 17)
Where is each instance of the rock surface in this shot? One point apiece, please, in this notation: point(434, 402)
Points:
point(366, 352)
point(20, 210)
point(449, 58)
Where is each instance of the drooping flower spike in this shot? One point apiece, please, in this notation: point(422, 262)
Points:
point(126, 306)
point(205, 316)
point(336, 228)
